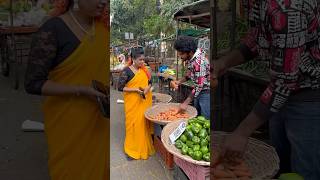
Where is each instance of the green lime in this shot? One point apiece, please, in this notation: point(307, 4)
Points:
point(204, 142)
point(178, 144)
point(196, 140)
point(184, 150)
point(206, 157)
point(196, 147)
point(203, 133)
point(290, 176)
point(204, 149)
point(197, 155)
point(183, 138)
point(201, 118)
point(189, 144)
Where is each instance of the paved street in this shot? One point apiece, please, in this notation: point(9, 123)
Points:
point(151, 169)
point(23, 155)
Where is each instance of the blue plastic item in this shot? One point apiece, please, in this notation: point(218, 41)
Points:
point(162, 68)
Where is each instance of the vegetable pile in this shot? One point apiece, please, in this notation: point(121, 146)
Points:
point(195, 140)
point(171, 115)
point(227, 169)
point(171, 72)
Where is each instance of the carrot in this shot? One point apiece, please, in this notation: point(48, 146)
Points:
point(171, 115)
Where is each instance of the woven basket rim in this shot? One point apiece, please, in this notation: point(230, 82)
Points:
point(261, 157)
point(164, 98)
point(160, 107)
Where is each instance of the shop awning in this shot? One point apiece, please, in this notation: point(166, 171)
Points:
point(197, 13)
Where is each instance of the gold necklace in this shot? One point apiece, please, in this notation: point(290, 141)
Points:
point(91, 35)
point(134, 69)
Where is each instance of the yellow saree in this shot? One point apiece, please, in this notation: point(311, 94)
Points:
point(138, 142)
point(77, 133)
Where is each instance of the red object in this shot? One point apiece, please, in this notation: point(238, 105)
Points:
point(165, 155)
point(193, 171)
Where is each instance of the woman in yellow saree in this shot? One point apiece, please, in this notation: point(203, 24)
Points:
point(68, 52)
point(135, 83)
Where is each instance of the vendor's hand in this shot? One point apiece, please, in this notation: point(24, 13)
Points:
point(182, 107)
point(174, 85)
point(217, 69)
point(233, 147)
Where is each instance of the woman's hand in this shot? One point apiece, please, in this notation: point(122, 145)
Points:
point(139, 91)
point(133, 90)
point(146, 90)
point(90, 92)
point(51, 88)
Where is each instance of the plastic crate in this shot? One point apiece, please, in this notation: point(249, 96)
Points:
point(193, 171)
point(164, 154)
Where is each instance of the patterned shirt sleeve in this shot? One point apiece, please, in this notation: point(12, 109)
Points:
point(42, 53)
point(125, 76)
point(202, 70)
point(123, 79)
point(50, 46)
point(256, 41)
point(286, 74)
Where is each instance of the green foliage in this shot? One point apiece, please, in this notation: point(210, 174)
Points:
point(129, 16)
point(142, 18)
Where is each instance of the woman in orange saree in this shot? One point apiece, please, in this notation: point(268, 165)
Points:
point(135, 83)
point(68, 52)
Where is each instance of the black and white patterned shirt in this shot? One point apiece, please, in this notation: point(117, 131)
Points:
point(286, 32)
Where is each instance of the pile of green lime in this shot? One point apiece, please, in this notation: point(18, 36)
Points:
point(195, 140)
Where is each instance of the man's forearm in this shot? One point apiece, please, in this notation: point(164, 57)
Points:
point(189, 99)
point(235, 58)
point(249, 125)
point(182, 80)
point(232, 59)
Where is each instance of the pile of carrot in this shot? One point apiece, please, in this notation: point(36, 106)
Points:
point(171, 115)
point(237, 170)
